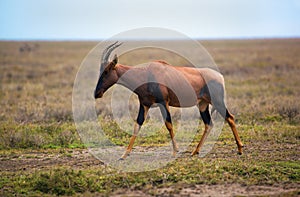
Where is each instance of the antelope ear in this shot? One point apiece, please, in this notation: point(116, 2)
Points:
point(112, 64)
point(115, 60)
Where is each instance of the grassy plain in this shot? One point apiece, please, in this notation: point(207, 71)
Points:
point(42, 154)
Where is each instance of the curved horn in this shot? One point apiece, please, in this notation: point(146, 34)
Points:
point(106, 49)
point(106, 53)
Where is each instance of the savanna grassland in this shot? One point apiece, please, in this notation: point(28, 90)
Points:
point(41, 152)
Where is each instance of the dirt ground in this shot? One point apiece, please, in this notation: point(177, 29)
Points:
point(33, 160)
point(216, 190)
point(82, 159)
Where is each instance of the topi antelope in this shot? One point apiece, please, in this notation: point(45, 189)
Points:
point(155, 83)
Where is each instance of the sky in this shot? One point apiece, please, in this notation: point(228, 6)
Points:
point(101, 19)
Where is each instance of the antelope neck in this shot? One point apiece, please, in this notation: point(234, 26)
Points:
point(127, 80)
point(121, 69)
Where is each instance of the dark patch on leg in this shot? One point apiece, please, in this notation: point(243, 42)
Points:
point(154, 88)
point(206, 116)
point(141, 116)
point(165, 113)
point(168, 118)
point(228, 115)
point(204, 92)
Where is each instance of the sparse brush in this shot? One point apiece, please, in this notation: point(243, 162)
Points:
point(289, 112)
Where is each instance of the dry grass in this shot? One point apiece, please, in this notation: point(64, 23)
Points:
point(261, 76)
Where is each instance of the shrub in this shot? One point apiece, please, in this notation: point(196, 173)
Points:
point(289, 112)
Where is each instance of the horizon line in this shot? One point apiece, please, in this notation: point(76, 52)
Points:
point(144, 39)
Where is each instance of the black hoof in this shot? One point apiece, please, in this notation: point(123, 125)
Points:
point(121, 159)
point(194, 154)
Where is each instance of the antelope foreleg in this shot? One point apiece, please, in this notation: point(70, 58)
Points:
point(168, 122)
point(170, 129)
point(132, 139)
point(205, 115)
point(139, 122)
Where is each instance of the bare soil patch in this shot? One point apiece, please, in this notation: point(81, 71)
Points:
point(36, 160)
point(215, 190)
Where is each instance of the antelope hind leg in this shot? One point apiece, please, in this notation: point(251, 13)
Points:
point(230, 120)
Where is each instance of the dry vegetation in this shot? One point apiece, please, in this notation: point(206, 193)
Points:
point(41, 152)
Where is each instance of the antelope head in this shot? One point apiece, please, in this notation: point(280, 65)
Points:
point(108, 74)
